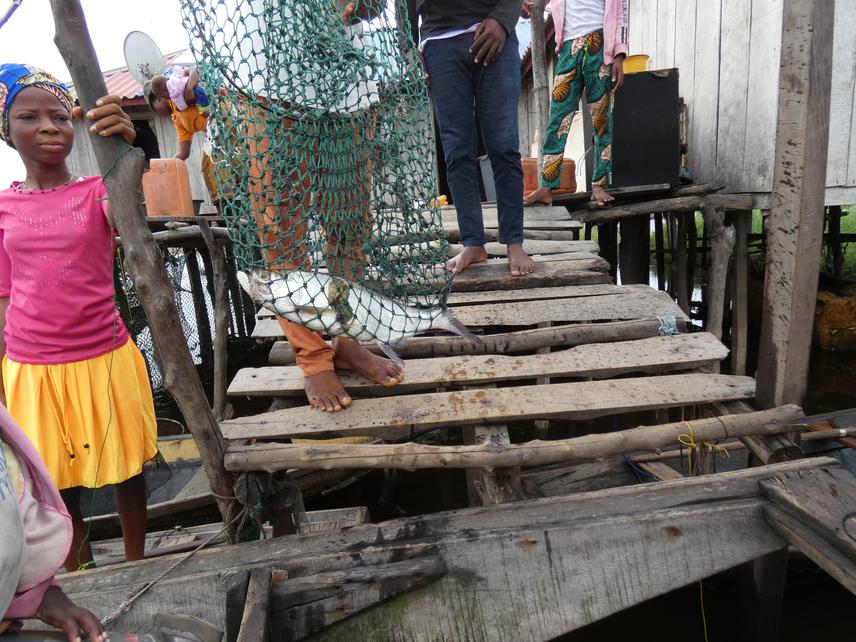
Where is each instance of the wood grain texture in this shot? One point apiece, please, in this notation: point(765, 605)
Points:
point(654, 355)
point(497, 453)
point(408, 415)
point(537, 592)
point(797, 217)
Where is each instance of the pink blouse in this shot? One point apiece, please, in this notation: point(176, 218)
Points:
point(56, 266)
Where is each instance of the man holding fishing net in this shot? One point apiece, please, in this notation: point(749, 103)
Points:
point(316, 125)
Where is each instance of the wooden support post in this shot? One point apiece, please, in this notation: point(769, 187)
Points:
point(543, 425)
point(836, 256)
point(761, 589)
point(200, 308)
point(221, 322)
point(795, 227)
point(254, 623)
point(540, 82)
point(660, 249)
point(680, 264)
point(122, 167)
point(635, 249)
point(486, 487)
point(692, 253)
point(721, 240)
point(740, 292)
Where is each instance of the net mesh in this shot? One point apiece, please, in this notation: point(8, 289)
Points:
point(322, 140)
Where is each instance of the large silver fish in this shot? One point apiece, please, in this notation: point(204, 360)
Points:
point(343, 309)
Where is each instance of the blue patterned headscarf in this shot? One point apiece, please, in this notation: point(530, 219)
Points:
point(15, 77)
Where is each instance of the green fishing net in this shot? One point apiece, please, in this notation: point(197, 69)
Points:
point(321, 135)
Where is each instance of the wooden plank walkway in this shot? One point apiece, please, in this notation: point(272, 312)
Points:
point(561, 343)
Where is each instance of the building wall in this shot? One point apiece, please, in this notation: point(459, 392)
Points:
point(82, 159)
point(727, 52)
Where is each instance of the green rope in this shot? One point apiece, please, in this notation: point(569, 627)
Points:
point(323, 148)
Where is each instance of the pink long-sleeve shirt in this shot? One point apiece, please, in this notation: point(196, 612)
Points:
point(615, 21)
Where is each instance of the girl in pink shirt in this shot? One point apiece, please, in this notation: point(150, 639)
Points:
point(72, 378)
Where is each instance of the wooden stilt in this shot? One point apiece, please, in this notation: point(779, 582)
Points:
point(660, 250)
point(739, 292)
point(634, 249)
point(203, 325)
point(795, 228)
point(721, 240)
point(221, 320)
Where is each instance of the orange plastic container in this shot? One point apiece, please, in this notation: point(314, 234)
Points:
point(567, 178)
point(166, 188)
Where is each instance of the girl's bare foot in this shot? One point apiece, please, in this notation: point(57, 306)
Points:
point(519, 262)
point(350, 355)
point(325, 392)
point(601, 196)
point(541, 196)
point(465, 257)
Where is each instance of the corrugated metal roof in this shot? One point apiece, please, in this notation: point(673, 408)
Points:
point(121, 83)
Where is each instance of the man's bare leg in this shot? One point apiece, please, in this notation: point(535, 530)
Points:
point(519, 262)
point(467, 256)
point(601, 196)
point(541, 196)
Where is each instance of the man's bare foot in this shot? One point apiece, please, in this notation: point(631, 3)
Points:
point(541, 196)
point(601, 196)
point(325, 392)
point(350, 355)
point(465, 257)
point(519, 262)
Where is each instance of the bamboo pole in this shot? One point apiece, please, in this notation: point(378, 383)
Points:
point(122, 167)
point(272, 457)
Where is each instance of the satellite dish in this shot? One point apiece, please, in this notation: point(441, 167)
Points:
point(143, 57)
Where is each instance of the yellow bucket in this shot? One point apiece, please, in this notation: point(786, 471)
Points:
point(635, 63)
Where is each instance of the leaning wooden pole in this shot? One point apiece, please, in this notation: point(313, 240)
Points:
point(796, 215)
point(122, 168)
point(274, 457)
point(540, 82)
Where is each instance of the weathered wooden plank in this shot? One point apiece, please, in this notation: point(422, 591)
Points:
point(733, 91)
point(508, 342)
point(842, 125)
point(307, 605)
point(660, 470)
point(533, 294)
point(657, 354)
point(642, 304)
point(685, 32)
point(254, 623)
point(526, 294)
point(823, 502)
point(407, 415)
point(486, 276)
point(530, 583)
point(797, 215)
point(535, 247)
point(764, 39)
point(705, 102)
point(530, 214)
point(826, 556)
point(679, 204)
point(665, 51)
point(605, 504)
point(501, 454)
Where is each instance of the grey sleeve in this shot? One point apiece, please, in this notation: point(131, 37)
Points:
point(506, 13)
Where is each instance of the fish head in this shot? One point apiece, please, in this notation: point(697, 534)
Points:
point(257, 287)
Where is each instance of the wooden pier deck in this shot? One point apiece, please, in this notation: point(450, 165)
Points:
point(561, 343)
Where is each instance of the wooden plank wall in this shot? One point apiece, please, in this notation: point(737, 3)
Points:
point(82, 159)
point(727, 52)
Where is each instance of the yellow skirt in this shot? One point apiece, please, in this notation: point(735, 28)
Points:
point(92, 421)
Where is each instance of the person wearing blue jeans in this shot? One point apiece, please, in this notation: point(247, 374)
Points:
point(472, 64)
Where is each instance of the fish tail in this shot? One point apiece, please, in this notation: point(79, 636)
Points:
point(451, 324)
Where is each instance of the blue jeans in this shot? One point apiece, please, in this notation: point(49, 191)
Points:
point(458, 88)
